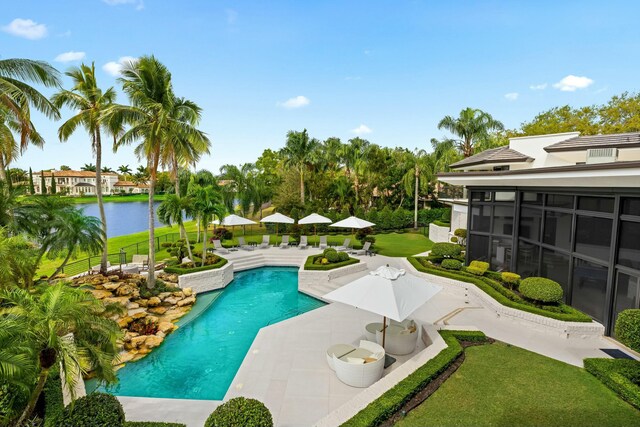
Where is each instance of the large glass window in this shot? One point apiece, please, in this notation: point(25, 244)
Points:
point(629, 244)
point(589, 288)
point(503, 220)
point(530, 223)
point(481, 196)
point(478, 247)
point(555, 266)
point(500, 254)
point(480, 218)
point(505, 196)
point(598, 204)
point(593, 236)
point(560, 201)
point(528, 256)
point(631, 206)
point(531, 198)
point(557, 229)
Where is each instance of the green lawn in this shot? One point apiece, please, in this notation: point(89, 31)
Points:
point(501, 385)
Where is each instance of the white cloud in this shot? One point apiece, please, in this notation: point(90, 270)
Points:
point(114, 67)
point(571, 83)
point(541, 86)
point(512, 96)
point(139, 4)
point(70, 56)
point(295, 102)
point(26, 28)
point(361, 130)
point(232, 16)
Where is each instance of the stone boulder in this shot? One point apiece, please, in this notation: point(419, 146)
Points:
point(154, 302)
point(101, 294)
point(187, 301)
point(166, 327)
point(111, 286)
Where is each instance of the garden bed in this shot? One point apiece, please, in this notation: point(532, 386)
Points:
point(501, 294)
point(182, 270)
point(314, 262)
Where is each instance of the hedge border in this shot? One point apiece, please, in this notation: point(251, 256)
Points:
point(605, 371)
point(152, 424)
point(309, 265)
point(180, 271)
point(499, 293)
point(393, 399)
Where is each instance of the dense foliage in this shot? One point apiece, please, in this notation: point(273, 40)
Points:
point(541, 289)
point(446, 250)
point(93, 410)
point(620, 375)
point(478, 268)
point(627, 328)
point(240, 411)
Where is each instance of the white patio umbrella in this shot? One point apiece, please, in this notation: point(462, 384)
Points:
point(233, 220)
point(386, 291)
point(314, 219)
point(352, 222)
point(277, 218)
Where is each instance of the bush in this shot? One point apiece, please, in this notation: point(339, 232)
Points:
point(332, 256)
point(326, 251)
point(446, 250)
point(240, 411)
point(343, 256)
point(454, 239)
point(620, 375)
point(93, 410)
point(363, 233)
point(446, 215)
point(460, 232)
point(222, 233)
point(627, 328)
point(478, 268)
point(451, 264)
point(441, 223)
point(152, 424)
point(166, 244)
point(541, 290)
point(182, 270)
point(320, 263)
point(511, 279)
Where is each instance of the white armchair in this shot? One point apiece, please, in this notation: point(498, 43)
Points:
point(361, 367)
point(400, 338)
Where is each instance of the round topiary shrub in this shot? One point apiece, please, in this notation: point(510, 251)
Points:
point(240, 412)
point(446, 250)
point(627, 328)
point(343, 256)
point(326, 251)
point(332, 256)
point(541, 289)
point(451, 264)
point(460, 232)
point(93, 410)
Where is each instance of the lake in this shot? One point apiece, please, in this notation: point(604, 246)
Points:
point(123, 218)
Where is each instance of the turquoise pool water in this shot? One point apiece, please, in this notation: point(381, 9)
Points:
point(201, 358)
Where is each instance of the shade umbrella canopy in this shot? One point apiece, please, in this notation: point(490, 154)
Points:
point(353, 222)
point(278, 218)
point(314, 218)
point(215, 222)
point(233, 219)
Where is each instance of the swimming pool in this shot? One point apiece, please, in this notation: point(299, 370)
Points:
point(201, 358)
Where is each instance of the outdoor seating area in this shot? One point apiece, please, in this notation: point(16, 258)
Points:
point(357, 366)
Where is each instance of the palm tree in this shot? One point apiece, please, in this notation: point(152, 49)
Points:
point(470, 127)
point(207, 203)
point(10, 148)
point(172, 210)
point(17, 97)
point(90, 102)
point(298, 151)
point(89, 167)
point(147, 83)
point(417, 178)
point(106, 169)
point(124, 170)
point(354, 157)
point(61, 325)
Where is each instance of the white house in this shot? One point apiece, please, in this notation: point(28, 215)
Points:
point(75, 183)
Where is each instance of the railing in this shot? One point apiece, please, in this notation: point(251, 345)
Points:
point(86, 264)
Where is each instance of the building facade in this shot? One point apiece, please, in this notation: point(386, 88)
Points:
point(564, 207)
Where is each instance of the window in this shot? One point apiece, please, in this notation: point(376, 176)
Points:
point(531, 198)
point(528, 256)
point(478, 248)
point(480, 218)
point(593, 236)
point(560, 201)
point(481, 196)
point(631, 206)
point(598, 204)
point(530, 223)
point(557, 229)
point(589, 288)
point(505, 196)
point(629, 244)
point(503, 220)
point(500, 254)
point(555, 266)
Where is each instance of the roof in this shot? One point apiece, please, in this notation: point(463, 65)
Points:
point(73, 174)
point(495, 155)
point(579, 143)
point(124, 184)
point(551, 169)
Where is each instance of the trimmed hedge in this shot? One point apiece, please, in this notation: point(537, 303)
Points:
point(309, 264)
point(93, 410)
point(511, 279)
point(393, 399)
point(240, 411)
point(440, 223)
point(619, 376)
point(152, 424)
point(179, 271)
point(628, 328)
point(541, 289)
point(446, 250)
point(479, 268)
point(451, 264)
point(501, 294)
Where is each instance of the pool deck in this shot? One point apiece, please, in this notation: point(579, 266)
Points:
point(286, 366)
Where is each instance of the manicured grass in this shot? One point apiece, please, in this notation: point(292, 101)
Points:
point(501, 385)
point(402, 245)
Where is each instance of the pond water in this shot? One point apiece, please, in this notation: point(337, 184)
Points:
point(123, 218)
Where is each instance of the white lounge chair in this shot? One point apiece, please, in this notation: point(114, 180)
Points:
point(217, 246)
point(361, 367)
point(243, 244)
point(323, 242)
point(345, 245)
point(364, 250)
point(303, 243)
point(265, 242)
point(285, 242)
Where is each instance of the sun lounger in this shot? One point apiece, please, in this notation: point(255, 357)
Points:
point(219, 248)
point(363, 251)
point(323, 242)
point(243, 244)
point(345, 245)
point(265, 242)
point(303, 243)
point(285, 242)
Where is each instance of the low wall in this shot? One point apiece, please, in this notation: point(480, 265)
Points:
point(209, 280)
point(438, 234)
point(307, 278)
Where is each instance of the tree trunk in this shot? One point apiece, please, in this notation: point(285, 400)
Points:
point(302, 186)
point(198, 230)
point(3, 171)
point(176, 187)
point(186, 241)
point(356, 185)
point(204, 242)
point(415, 214)
point(61, 265)
point(151, 276)
point(103, 216)
point(42, 379)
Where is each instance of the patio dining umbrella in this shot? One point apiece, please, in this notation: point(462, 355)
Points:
point(233, 220)
point(386, 291)
point(352, 222)
point(314, 219)
point(277, 218)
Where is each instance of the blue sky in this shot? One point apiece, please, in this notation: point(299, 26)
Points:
point(386, 71)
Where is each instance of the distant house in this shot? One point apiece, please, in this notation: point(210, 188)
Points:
point(130, 187)
point(75, 183)
point(563, 206)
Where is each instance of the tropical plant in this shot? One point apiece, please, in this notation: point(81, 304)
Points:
point(172, 210)
point(89, 167)
point(298, 154)
point(470, 127)
point(354, 156)
point(106, 169)
point(207, 204)
point(418, 178)
point(124, 170)
point(59, 326)
point(10, 148)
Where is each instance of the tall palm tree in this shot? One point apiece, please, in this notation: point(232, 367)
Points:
point(417, 178)
point(10, 148)
point(470, 126)
point(18, 97)
point(147, 83)
point(298, 153)
point(61, 325)
point(106, 169)
point(207, 203)
point(124, 170)
point(354, 157)
point(172, 210)
point(90, 102)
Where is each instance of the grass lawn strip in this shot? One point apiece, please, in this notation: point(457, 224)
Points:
point(502, 385)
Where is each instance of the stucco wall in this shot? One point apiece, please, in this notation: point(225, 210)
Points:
point(438, 234)
point(209, 280)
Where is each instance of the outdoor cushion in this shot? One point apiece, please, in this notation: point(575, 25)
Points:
point(355, 360)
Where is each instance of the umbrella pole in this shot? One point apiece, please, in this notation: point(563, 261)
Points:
point(384, 329)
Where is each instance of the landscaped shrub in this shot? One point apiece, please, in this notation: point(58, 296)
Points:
point(510, 279)
point(446, 215)
point(166, 244)
point(441, 223)
point(93, 410)
point(620, 375)
point(454, 239)
point(238, 412)
point(194, 267)
point(152, 424)
point(451, 264)
point(446, 250)
point(332, 256)
point(363, 233)
point(627, 328)
point(478, 268)
point(541, 289)
point(343, 256)
point(461, 234)
point(326, 251)
point(320, 262)
point(222, 233)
